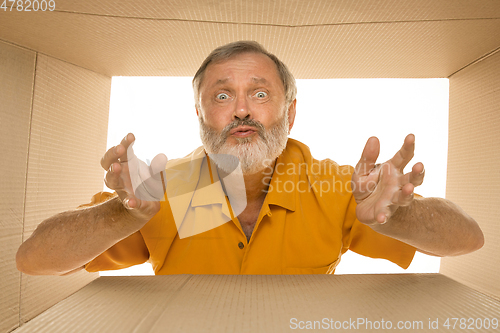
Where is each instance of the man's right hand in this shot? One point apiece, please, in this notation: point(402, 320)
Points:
point(139, 186)
point(65, 242)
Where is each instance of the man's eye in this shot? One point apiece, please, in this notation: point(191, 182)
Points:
point(222, 96)
point(261, 94)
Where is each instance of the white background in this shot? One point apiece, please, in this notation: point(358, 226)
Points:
point(334, 118)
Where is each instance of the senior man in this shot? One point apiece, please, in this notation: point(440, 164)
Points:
point(292, 223)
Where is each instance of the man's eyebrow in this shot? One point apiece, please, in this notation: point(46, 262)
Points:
point(259, 80)
point(221, 81)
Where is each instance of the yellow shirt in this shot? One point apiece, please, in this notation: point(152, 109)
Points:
point(306, 223)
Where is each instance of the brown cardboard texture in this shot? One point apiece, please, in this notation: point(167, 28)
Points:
point(61, 173)
point(316, 39)
point(55, 78)
point(267, 303)
point(17, 67)
point(54, 125)
point(473, 135)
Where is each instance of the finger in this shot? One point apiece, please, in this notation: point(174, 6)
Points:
point(111, 156)
point(417, 174)
point(127, 143)
point(118, 152)
point(368, 157)
point(132, 203)
point(383, 211)
point(405, 196)
point(382, 217)
point(112, 178)
point(405, 154)
point(362, 187)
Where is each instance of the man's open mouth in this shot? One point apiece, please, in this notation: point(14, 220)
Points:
point(243, 131)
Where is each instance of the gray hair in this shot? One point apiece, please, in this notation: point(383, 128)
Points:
point(232, 49)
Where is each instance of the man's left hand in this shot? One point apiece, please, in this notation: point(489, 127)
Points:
point(379, 189)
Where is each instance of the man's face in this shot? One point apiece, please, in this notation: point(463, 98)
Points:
point(243, 111)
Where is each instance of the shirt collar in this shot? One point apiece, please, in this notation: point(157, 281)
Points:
point(209, 189)
point(282, 190)
point(214, 194)
point(284, 182)
point(190, 186)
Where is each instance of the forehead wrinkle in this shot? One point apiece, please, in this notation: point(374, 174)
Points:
point(253, 79)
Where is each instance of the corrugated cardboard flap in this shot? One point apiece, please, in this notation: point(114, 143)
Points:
point(231, 303)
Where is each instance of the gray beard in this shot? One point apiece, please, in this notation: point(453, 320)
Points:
point(253, 156)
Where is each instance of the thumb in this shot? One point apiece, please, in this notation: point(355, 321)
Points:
point(130, 151)
point(368, 157)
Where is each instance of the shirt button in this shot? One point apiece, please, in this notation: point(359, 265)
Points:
point(241, 245)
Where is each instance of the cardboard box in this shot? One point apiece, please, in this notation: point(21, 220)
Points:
point(55, 75)
point(271, 303)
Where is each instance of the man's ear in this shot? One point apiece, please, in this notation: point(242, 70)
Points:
point(291, 114)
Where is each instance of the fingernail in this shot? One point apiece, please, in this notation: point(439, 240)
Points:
point(125, 203)
point(111, 168)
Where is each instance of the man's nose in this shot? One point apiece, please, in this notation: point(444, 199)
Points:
point(242, 109)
